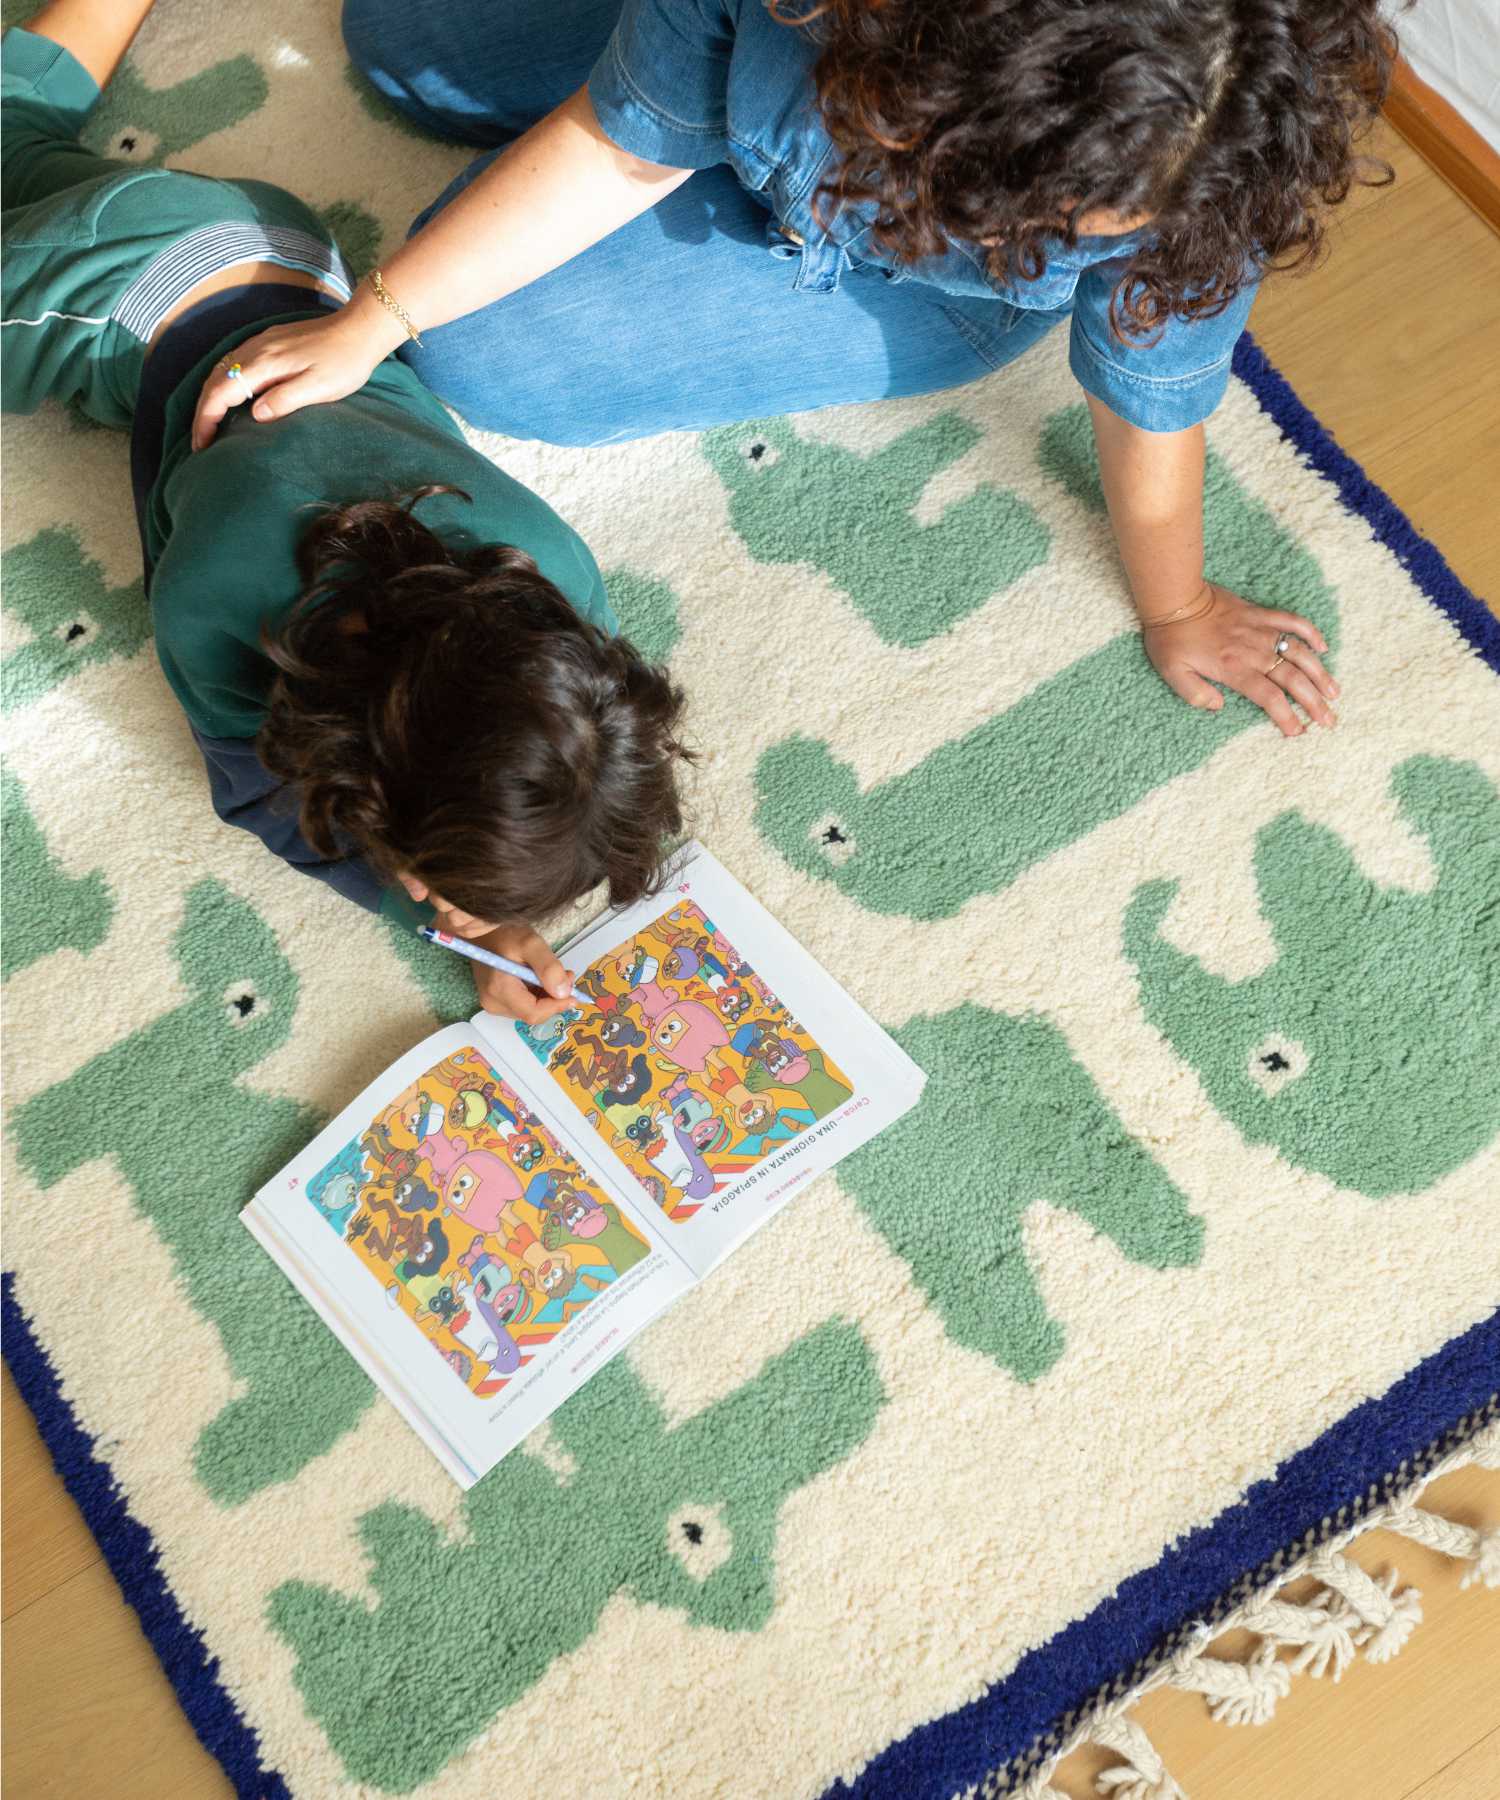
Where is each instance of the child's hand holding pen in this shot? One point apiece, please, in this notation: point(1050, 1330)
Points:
point(499, 991)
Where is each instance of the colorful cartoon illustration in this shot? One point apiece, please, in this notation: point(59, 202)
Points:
point(543, 1039)
point(691, 1069)
point(764, 1126)
point(334, 1190)
point(572, 1216)
point(478, 1227)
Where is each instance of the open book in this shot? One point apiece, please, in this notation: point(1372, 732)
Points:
point(502, 1211)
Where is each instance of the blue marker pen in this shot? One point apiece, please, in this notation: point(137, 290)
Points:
point(475, 953)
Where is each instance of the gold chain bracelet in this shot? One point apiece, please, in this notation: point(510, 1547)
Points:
point(1185, 614)
point(388, 300)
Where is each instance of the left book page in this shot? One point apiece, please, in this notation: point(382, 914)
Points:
point(385, 1224)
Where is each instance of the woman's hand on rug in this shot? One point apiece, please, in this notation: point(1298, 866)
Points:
point(1234, 644)
point(308, 363)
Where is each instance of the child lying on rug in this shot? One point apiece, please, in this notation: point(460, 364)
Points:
point(401, 666)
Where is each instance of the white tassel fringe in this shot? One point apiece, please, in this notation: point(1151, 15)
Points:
point(1141, 1776)
point(1352, 1612)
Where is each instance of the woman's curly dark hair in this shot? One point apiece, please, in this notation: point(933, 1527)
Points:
point(450, 715)
point(1001, 123)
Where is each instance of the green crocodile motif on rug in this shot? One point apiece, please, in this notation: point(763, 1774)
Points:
point(681, 1517)
point(137, 123)
point(75, 620)
point(1078, 750)
point(168, 1107)
point(794, 500)
point(1367, 1050)
point(1009, 1117)
point(42, 907)
point(648, 609)
point(356, 231)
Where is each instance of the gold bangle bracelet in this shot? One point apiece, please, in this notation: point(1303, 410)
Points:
point(388, 300)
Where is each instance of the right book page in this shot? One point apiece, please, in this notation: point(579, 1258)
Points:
point(720, 1066)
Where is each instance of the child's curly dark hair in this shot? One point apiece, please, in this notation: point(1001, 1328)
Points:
point(1001, 123)
point(450, 715)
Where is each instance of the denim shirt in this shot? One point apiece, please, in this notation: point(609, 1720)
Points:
point(692, 83)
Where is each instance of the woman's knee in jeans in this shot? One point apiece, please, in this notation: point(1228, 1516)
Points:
point(401, 58)
point(523, 393)
point(378, 38)
point(482, 76)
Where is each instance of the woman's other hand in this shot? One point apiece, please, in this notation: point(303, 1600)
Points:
point(1271, 657)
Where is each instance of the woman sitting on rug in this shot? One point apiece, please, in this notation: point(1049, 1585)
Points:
point(895, 197)
point(422, 694)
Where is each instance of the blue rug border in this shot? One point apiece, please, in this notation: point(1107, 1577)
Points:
point(1343, 1470)
point(134, 1561)
point(1418, 555)
point(973, 1739)
point(962, 1748)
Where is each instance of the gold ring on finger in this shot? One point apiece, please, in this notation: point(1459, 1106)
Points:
point(1280, 659)
point(1283, 643)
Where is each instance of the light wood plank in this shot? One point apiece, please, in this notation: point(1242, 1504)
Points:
point(1473, 1776)
point(1392, 343)
point(87, 1709)
point(1382, 1731)
point(44, 1541)
point(1446, 140)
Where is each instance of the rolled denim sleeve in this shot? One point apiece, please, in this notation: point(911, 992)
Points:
point(661, 88)
point(1175, 379)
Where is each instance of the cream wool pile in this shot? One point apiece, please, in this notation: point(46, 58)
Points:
point(1182, 1273)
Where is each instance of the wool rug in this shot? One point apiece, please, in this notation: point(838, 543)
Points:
point(1182, 1274)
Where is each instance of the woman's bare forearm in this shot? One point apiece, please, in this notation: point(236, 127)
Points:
point(96, 32)
point(557, 190)
point(1153, 484)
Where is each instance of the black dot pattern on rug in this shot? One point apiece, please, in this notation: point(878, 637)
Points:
point(74, 631)
point(244, 1005)
point(692, 1531)
point(757, 451)
point(834, 836)
point(127, 142)
point(1275, 1062)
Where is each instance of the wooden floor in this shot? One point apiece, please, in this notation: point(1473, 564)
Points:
point(1395, 345)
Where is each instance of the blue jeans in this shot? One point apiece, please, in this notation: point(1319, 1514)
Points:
point(688, 316)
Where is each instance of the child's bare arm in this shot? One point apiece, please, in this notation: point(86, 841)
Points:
point(96, 32)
